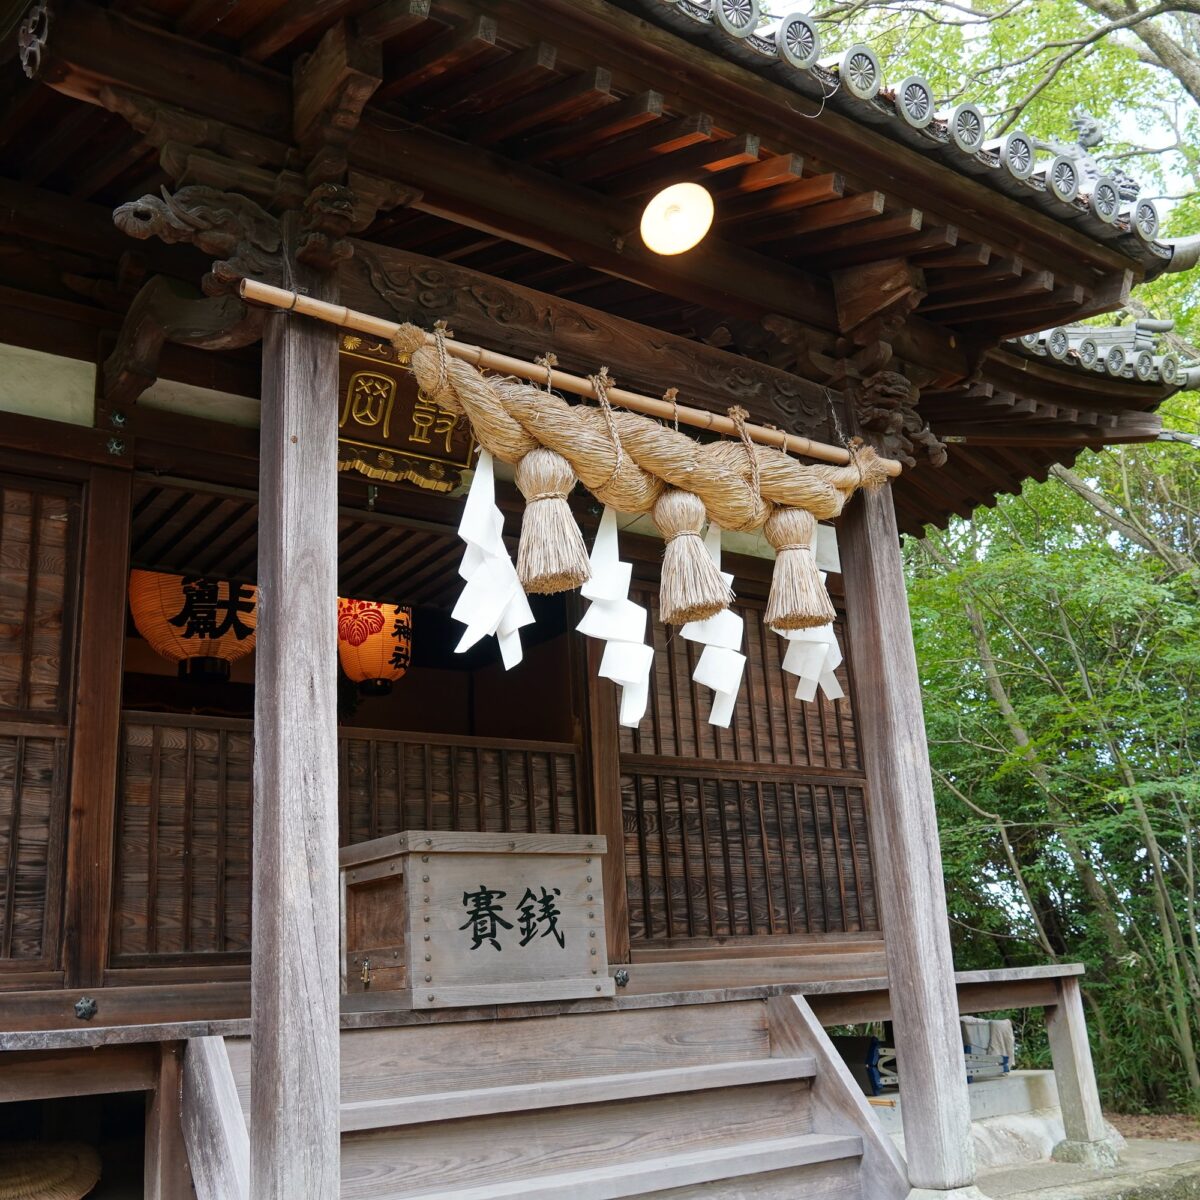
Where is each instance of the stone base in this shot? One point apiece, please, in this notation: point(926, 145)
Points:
point(1096, 1156)
point(967, 1193)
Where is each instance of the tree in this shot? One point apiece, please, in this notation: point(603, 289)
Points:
point(1058, 633)
point(1059, 640)
point(1031, 62)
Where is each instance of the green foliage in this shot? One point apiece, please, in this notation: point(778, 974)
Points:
point(1060, 660)
point(1059, 635)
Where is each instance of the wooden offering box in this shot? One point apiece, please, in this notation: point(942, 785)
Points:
point(442, 920)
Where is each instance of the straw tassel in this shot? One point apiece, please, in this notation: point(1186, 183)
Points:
point(692, 588)
point(551, 556)
point(798, 599)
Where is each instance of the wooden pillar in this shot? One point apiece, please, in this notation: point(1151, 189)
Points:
point(166, 1175)
point(604, 755)
point(1087, 1138)
point(294, 1138)
point(933, 1087)
point(97, 727)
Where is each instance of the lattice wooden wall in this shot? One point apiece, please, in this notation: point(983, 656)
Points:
point(38, 535)
point(184, 817)
point(760, 829)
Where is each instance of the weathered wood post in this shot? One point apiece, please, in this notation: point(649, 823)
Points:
point(933, 1085)
point(294, 1136)
point(1087, 1141)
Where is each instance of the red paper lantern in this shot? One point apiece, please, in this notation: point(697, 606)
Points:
point(200, 623)
point(374, 643)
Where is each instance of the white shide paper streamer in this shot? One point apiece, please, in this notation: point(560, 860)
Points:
point(492, 602)
point(618, 622)
point(721, 661)
point(813, 655)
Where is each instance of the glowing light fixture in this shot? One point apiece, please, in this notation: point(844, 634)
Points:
point(677, 218)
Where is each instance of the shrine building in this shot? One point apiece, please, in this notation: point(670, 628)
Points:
point(460, 734)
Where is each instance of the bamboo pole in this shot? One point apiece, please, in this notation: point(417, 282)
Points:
point(477, 356)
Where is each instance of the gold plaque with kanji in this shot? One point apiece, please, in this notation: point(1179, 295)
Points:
point(388, 429)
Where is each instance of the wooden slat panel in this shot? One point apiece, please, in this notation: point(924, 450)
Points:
point(37, 534)
point(32, 799)
point(183, 824)
point(180, 849)
point(757, 831)
point(38, 548)
point(769, 725)
point(758, 856)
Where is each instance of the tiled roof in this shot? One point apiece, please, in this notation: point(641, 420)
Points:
point(849, 79)
point(1132, 351)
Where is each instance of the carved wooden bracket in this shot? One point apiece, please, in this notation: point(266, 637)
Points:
point(243, 237)
point(332, 86)
point(330, 89)
point(245, 240)
point(328, 217)
point(167, 310)
point(405, 286)
point(885, 412)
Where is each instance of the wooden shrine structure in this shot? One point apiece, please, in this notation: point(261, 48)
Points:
point(174, 918)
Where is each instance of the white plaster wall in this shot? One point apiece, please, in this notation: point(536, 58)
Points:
point(48, 386)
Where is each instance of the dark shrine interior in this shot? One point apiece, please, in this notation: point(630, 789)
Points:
point(384, 557)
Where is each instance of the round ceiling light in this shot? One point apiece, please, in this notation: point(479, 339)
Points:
point(677, 218)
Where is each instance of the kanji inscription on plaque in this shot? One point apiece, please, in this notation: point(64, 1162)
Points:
point(482, 918)
point(388, 429)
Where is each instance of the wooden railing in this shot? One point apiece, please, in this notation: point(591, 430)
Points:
point(183, 854)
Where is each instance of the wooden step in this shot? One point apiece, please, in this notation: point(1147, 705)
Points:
point(559, 1093)
point(668, 1173)
point(500, 1148)
point(411, 1060)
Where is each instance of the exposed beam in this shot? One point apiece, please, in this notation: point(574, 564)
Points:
point(700, 162)
point(833, 253)
point(785, 197)
point(745, 99)
point(447, 52)
point(392, 18)
point(1034, 284)
point(94, 47)
point(860, 207)
point(493, 87)
point(769, 172)
point(461, 182)
point(565, 101)
point(577, 137)
point(287, 23)
point(958, 281)
point(661, 138)
point(871, 234)
point(37, 215)
point(970, 256)
point(1024, 315)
